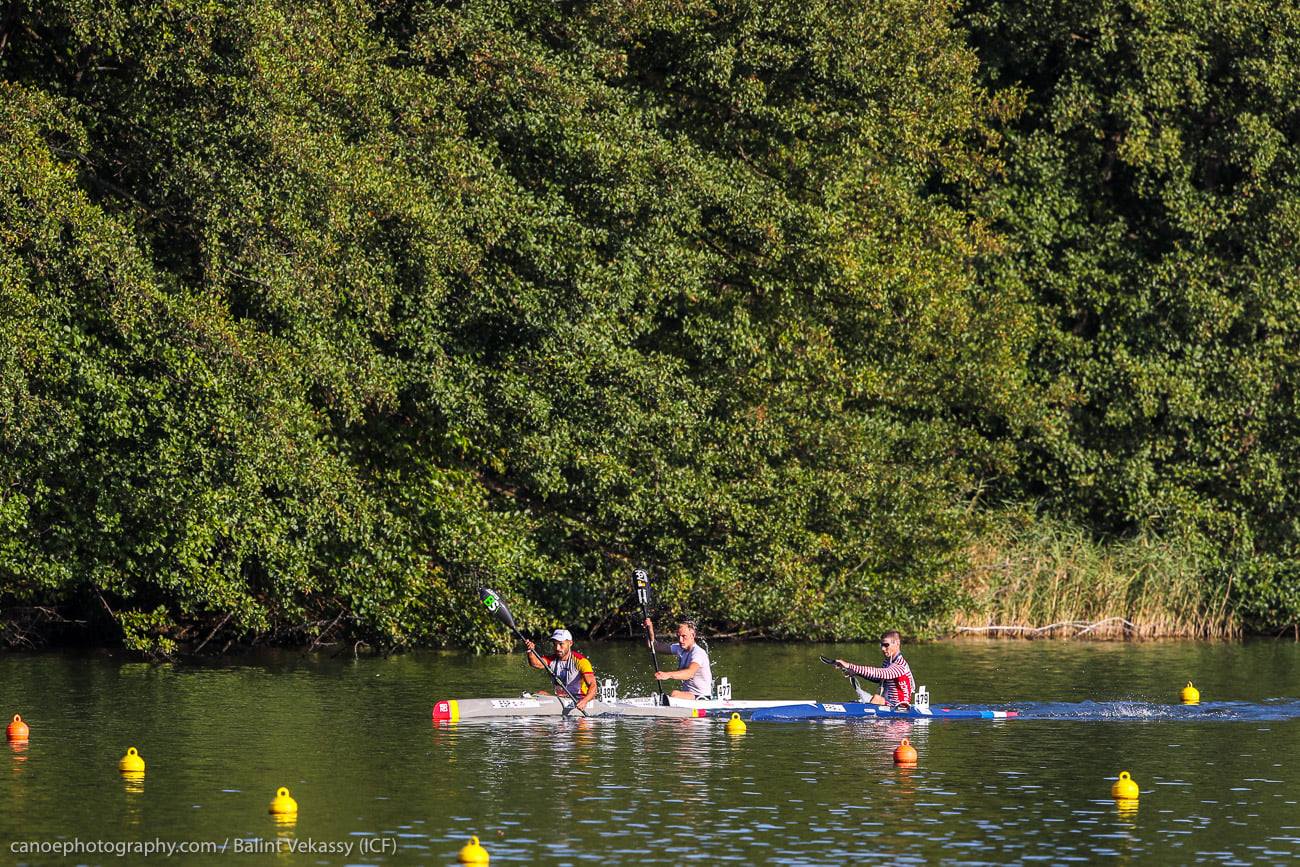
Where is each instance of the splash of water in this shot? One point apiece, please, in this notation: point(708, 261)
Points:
point(1272, 709)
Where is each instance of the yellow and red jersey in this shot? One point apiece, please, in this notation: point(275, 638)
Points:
point(571, 672)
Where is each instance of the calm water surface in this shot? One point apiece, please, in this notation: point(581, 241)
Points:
point(353, 741)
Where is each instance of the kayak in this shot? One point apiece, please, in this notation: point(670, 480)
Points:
point(717, 705)
point(860, 710)
point(455, 710)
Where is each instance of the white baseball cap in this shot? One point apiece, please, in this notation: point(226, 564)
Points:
point(561, 635)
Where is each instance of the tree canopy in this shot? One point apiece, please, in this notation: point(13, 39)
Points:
point(320, 316)
point(1153, 192)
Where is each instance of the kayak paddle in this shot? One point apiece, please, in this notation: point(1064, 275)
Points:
point(502, 613)
point(642, 582)
point(863, 695)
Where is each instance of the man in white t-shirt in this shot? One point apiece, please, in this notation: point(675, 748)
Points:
point(692, 661)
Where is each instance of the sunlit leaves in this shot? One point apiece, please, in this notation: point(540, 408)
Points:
point(326, 314)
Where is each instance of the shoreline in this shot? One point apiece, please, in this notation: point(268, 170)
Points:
point(972, 635)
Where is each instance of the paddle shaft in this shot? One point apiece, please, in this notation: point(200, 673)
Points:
point(853, 679)
point(502, 613)
point(642, 582)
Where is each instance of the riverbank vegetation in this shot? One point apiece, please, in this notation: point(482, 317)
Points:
point(319, 316)
point(1032, 578)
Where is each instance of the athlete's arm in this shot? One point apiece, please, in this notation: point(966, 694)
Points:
point(872, 673)
point(532, 656)
point(680, 674)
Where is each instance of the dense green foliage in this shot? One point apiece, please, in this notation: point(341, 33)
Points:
point(1153, 194)
point(327, 315)
point(318, 316)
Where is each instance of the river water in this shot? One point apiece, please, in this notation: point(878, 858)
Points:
point(353, 741)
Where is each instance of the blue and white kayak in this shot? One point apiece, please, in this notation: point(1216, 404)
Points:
point(860, 710)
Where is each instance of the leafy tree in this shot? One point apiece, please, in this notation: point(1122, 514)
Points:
point(326, 314)
point(1152, 193)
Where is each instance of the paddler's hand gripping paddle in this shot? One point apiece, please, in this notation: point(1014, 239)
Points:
point(863, 695)
point(502, 613)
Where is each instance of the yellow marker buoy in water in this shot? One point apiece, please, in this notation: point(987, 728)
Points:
point(1190, 694)
point(282, 804)
point(473, 853)
point(735, 725)
point(131, 763)
point(1124, 789)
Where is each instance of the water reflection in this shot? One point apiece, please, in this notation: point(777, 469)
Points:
point(660, 791)
point(692, 745)
point(907, 784)
point(285, 823)
point(19, 750)
point(133, 790)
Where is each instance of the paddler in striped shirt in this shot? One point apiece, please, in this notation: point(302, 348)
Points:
point(570, 667)
point(692, 661)
point(895, 677)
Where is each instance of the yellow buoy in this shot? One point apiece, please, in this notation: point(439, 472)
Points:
point(1190, 694)
point(473, 853)
point(735, 725)
point(282, 804)
point(131, 763)
point(1124, 789)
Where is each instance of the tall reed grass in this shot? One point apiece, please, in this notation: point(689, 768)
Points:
point(1037, 578)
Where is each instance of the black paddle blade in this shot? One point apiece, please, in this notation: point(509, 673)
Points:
point(641, 580)
point(496, 606)
point(827, 660)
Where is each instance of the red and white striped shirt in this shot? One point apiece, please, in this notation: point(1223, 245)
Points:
point(895, 679)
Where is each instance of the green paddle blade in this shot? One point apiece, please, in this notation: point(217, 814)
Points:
point(496, 606)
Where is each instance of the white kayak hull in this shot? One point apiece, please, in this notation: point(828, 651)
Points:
point(455, 710)
point(714, 704)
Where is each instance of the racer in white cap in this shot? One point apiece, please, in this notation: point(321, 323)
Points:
point(570, 667)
